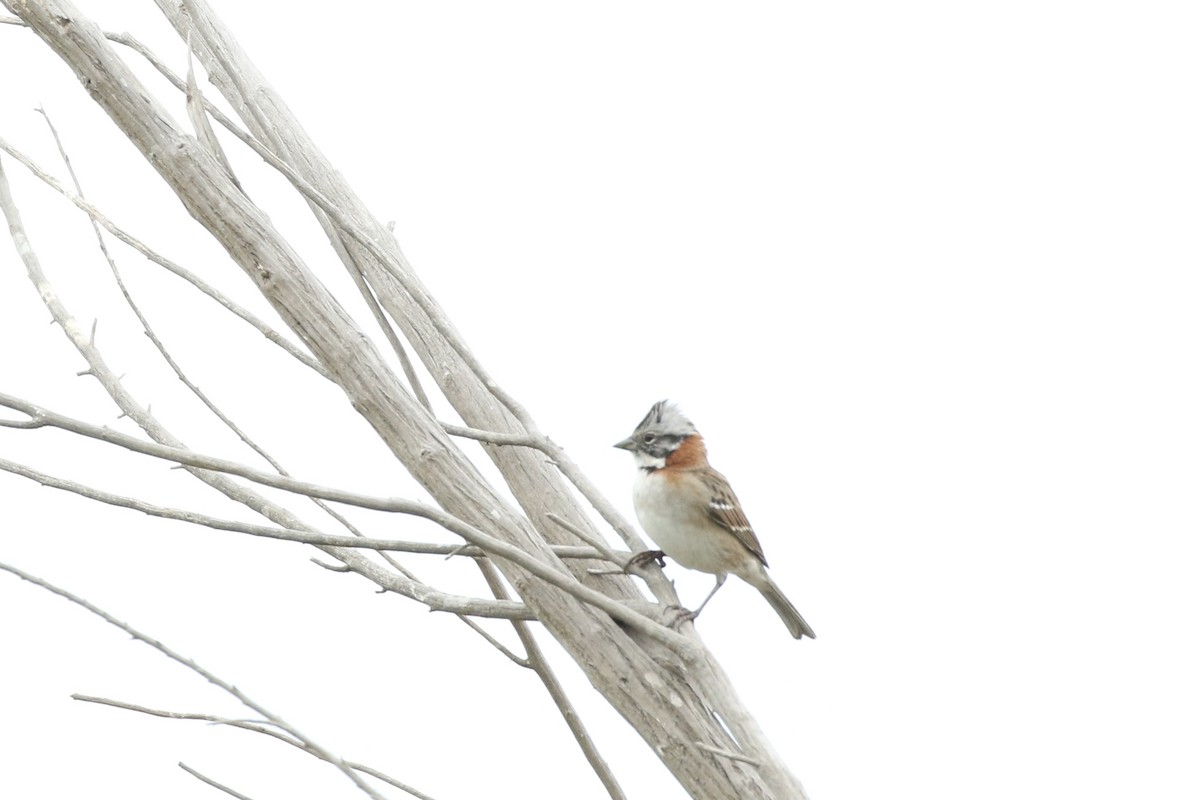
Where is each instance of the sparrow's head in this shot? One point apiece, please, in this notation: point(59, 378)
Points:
point(658, 435)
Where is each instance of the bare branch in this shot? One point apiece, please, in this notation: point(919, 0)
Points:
point(661, 588)
point(653, 576)
point(213, 783)
point(595, 541)
point(134, 44)
point(537, 661)
point(245, 89)
point(26, 424)
point(111, 382)
point(496, 643)
point(492, 437)
point(475, 536)
point(272, 335)
point(253, 727)
point(133, 306)
point(195, 110)
point(402, 584)
point(193, 94)
point(653, 689)
point(249, 725)
point(312, 537)
point(573, 473)
point(86, 346)
point(259, 250)
point(241, 696)
point(331, 567)
point(377, 312)
point(202, 20)
point(374, 773)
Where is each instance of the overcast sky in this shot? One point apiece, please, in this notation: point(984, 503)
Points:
point(925, 275)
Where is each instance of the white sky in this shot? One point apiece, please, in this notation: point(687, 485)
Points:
point(925, 275)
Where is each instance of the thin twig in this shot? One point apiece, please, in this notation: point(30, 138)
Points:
point(661, 588)
point(404, 584)
point(266, 531)
point(248, 726)
point(535, 439)
point(717, 751)
point(493, 437)
point(537, 661)
point(213, 783)
point(318, 202)
point(194, 100)
point(200, 121)
point(111, 382)
point(585, 536)
point(241, 696)
point(272, 335)
point(374, 773)
point(550, 574)
point(496, 643)
point(395, 266)
point(494, 546)
point(368, 295)
point(245, 137)
point(331, 567)
point(335, 240)
point(137, 311)
point(245, 724)
point(564, 464)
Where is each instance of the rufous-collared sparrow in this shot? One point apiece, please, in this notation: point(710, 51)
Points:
point(689, 510)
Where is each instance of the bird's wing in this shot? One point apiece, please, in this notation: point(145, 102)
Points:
point(725, 510)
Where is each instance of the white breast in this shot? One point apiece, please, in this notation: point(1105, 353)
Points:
point(680, 526)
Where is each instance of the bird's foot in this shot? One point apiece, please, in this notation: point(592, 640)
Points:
point(677, 615)
point(645, 557)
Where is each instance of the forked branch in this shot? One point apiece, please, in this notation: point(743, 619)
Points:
point(273, 719)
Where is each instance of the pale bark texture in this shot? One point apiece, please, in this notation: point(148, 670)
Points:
point(663, 682)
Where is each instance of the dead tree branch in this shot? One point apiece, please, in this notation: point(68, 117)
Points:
point(665, 684)
point(275, 720)
point(254, 727)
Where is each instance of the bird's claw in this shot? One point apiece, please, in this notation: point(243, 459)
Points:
point(679, 615)
point(645, 557)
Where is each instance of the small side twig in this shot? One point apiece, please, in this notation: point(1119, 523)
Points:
point(717, 751)
point(492, 437)
point(587, 538)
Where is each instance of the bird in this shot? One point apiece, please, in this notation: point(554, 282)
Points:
point(691, 512)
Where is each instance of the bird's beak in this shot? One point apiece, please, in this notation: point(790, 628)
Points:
point(626, 444)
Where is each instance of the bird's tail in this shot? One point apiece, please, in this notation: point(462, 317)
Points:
point(786, 611)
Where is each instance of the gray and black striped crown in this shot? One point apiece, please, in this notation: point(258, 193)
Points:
point(660, 431)
point(666, 418)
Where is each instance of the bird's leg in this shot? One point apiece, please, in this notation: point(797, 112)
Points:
point(645, 557)
point(691, 615)
point(720, 583)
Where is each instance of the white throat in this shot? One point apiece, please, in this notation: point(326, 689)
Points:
point(648, 462)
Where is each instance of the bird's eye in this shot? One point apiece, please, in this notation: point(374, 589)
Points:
point(648, 437)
